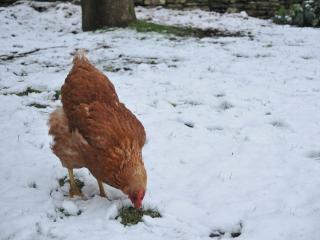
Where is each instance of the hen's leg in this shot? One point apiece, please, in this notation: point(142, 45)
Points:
point(74, 190)
point(102, 192)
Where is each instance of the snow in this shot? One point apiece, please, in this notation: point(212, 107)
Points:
point(232, 126)
point(70, 207)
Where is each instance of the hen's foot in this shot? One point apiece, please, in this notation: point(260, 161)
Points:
point(74, 190)
point(102, 191)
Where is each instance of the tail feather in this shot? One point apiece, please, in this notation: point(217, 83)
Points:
point(80, 55)
point(67, 145)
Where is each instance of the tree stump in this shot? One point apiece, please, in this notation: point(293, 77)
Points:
point(97, 14)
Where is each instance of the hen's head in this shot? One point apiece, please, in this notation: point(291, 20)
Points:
point(137, 197)
point(136, 187)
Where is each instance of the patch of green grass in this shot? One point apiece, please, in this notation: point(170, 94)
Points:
point(173, 104)
point(66, 214)
point(56, 95)
point(152, 213)
point(62, 181)
point(37, 105)
point(111, 69)
point(144, 26)
point(131, 216)
point(27, 92)
point(63, 211)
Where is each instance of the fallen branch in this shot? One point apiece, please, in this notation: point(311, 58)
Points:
point(7, 57)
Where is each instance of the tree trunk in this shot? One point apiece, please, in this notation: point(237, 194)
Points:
point(106, 13)
point(4, 3)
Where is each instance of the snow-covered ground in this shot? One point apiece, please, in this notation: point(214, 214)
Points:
point(233, 127)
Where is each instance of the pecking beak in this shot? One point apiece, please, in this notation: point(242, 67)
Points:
point(137, 205)
point(136, 202)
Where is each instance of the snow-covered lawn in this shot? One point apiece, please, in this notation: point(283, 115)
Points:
point(233, 127)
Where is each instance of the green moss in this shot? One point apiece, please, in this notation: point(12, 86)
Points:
point(131, 216)
point(144, 26)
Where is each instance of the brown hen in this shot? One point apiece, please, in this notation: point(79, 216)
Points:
point(95, 130)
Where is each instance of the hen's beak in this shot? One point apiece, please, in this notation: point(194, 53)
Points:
point(137, 204)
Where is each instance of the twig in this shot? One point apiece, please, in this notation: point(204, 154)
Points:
point(7, 57)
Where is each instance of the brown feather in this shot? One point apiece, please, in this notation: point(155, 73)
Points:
point(84, 85)
point(96, 131)
point(67, 145)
